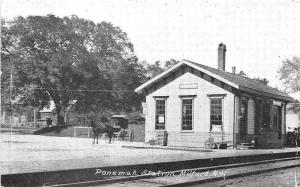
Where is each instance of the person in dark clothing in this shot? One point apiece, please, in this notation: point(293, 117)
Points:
point(110, 132)
point(49, 122)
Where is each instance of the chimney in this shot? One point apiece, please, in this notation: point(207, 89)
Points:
point(221, 56)
point(233, 69)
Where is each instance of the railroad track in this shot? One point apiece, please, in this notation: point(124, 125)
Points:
point(201, 175)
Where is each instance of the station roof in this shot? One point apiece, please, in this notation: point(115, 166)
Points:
point(236, 81)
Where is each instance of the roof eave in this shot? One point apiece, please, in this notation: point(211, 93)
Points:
point(212, 74)
point(146, 84)
point(262, 93)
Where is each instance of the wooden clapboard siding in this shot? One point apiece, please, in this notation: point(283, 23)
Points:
point(236, 121)
point(251, 116)
point(195, 139)
point(201, 110)
point(257, 117)
point(283, 119)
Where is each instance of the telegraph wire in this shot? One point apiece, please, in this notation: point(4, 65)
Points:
point(86, 90)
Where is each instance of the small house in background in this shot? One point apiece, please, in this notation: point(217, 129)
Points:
point(292, 116)
point(47, 114)
point(71, 117)
point(196, 104)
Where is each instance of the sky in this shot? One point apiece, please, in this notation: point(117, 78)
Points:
point(259, 34)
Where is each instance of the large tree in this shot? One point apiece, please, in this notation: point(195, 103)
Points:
point(152, 70)
point(115, 58)
point(68, 60)
point(289, 73)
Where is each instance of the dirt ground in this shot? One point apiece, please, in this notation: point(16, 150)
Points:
point(30, 153)
point(33, 153)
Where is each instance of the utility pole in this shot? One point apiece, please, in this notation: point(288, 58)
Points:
point(0, 68)
point(10, 98)
point(34, 117)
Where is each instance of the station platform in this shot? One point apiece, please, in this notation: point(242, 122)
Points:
point(46, 159)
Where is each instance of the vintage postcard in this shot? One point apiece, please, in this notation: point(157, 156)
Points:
point(149, 93)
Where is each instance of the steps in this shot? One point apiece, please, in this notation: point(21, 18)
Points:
point(246, 146)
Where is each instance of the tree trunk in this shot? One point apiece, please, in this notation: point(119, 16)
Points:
point(60, 115)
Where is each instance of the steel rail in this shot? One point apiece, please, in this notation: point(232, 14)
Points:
point(232, 176)
point(200, 169)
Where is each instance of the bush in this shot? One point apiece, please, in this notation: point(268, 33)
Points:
point(293, 138)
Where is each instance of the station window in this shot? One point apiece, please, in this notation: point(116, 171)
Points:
point(187, 113)
point(160, 114)
point(216, 114)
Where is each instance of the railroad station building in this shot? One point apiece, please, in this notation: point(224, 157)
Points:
point(195, 104)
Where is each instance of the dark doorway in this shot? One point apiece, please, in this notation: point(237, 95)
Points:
point(277, 121)
point(266, 116)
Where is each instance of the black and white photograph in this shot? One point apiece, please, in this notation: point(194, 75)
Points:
point(131, 93)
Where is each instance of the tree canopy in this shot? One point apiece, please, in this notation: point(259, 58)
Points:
point(262, 80)
point(258, 79)
point(72, 61)
point(289, 73)
point(152, 70)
